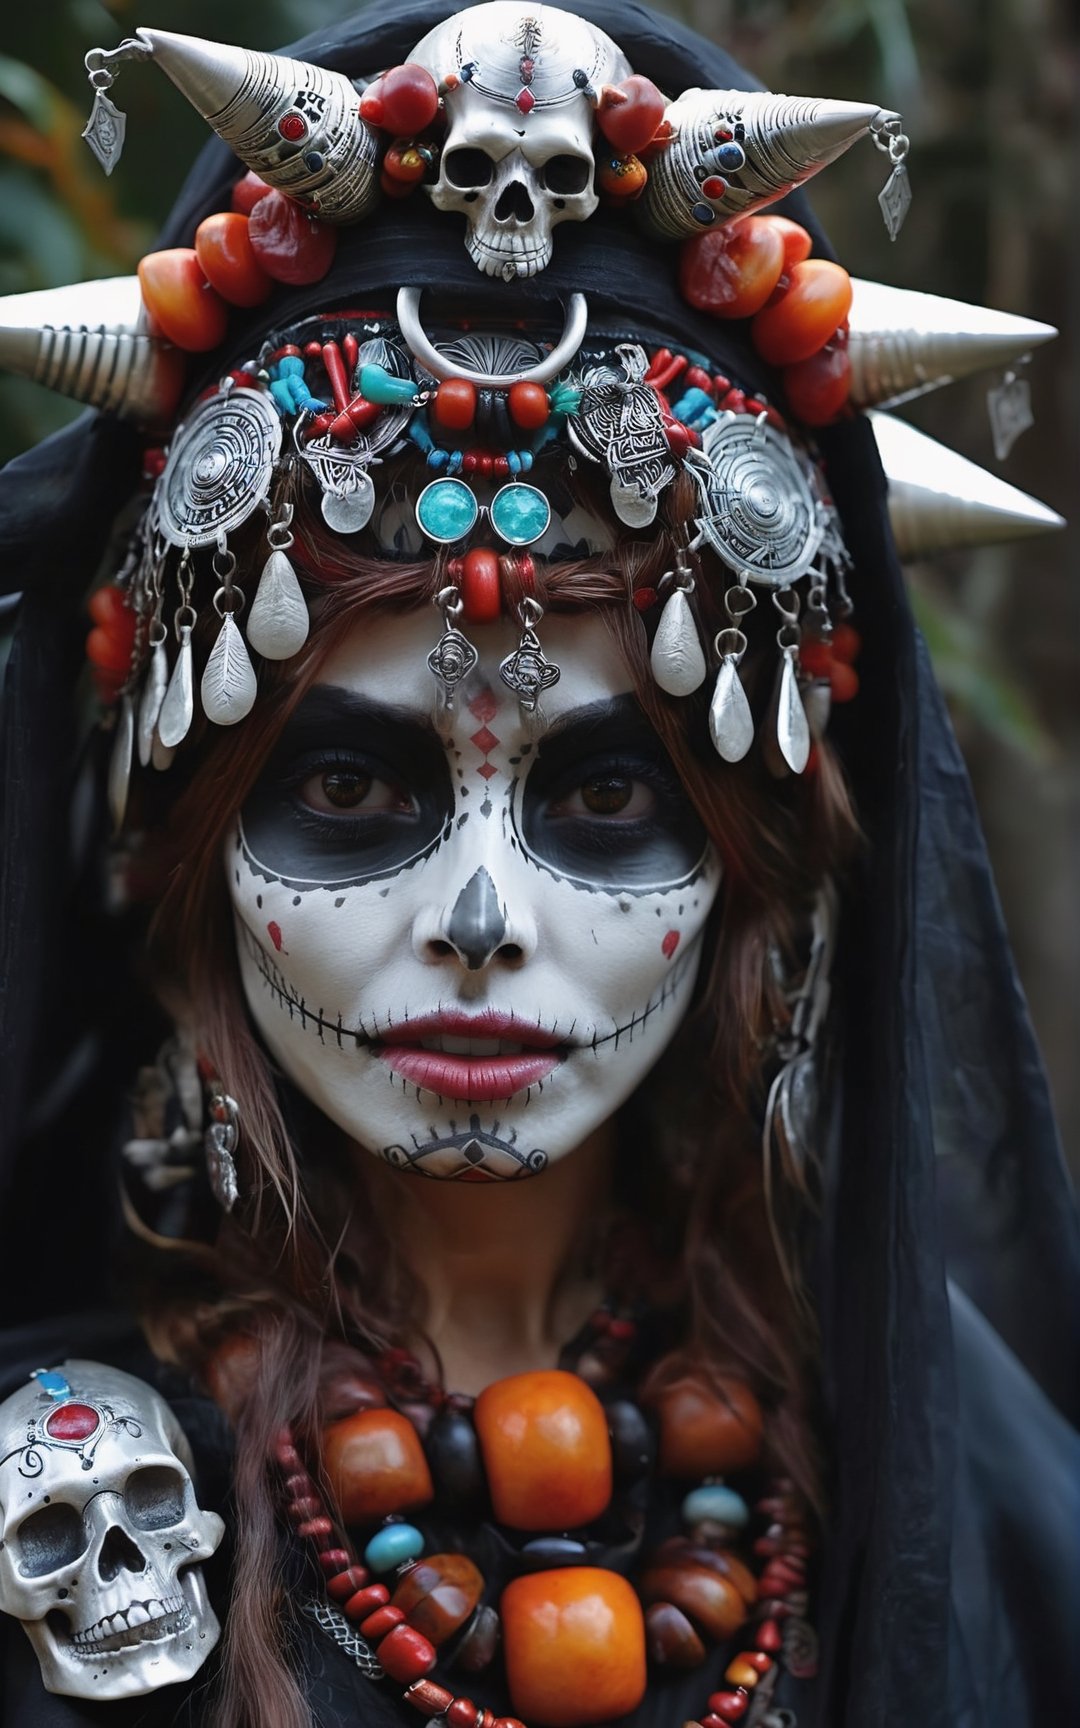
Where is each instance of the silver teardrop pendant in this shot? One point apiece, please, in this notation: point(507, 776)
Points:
point(677, 661)
point(792, 727)
point(120, 762)
point(161, 755)
point(228, 688)
point(157, 681)
point(731, 724)
point(178, 706)
point(278, 625)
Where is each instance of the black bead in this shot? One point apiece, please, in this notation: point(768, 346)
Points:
point(632, 1443)
point(453, 1452)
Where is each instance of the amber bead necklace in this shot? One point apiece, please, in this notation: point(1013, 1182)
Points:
point(551, 1457)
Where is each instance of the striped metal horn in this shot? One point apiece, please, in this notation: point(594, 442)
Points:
point(90, 342)
point(902, 343)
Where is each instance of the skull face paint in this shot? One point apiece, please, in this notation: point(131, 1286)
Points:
point(468, 943)
point(101, 1535)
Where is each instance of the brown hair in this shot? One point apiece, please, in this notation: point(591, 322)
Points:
point(284, 1276)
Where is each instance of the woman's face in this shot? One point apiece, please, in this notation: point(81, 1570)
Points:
point(468, 939)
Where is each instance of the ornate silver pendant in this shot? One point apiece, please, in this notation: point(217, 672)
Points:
point(153, 695)
point(219, 468)
point(278, 623)
point(619, 424)
point(228, 688)
point(1010, 412)
point(178, 707)
point(677, 662)
point(760, 514)
point(105, 129)
point(452, 659)
point(528, 672)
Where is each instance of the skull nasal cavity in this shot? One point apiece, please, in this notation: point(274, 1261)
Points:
point(477, 925)
point(119, 1554)
point(514, 201)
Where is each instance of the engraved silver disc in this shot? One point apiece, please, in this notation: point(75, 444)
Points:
point(760, 513)
point(348, 512)
point(219, 467)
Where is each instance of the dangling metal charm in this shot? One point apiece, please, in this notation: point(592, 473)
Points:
point(731, 724)
point(120, 761)
point(619, 423)
point(677, 660)
point(453, 656)
point(278, 625)
point(527, 671)
point(1009, 404)
point(792, 726)
point(895, 196)
point(105, 129)
point(178, 706)
point(221, 1140)
point(154, 688)
point(228, 688)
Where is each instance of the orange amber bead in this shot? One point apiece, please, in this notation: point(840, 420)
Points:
point(731, 270)
point(621, 177)
point(797, 242)
point(230, 1373)
point(801, 321)
point(227, 261)
point(180, 301)
point(574, 1641)
point(376, 1465)
point(438, 1594)
point(547, 1454)
point(707, 1432)
point(709, 1600)
point(817, 389)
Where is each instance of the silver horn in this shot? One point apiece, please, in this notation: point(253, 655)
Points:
point(902, 343)
point(90, 342)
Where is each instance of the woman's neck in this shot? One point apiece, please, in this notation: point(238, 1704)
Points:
point(508, 1269)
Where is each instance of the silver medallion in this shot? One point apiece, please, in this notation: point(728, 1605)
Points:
point(219, 468)
point(348, 512)
point(760, 514)
point(620, 424)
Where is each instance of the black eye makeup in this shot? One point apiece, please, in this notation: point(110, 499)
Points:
point(603, 803)
point(354, 790)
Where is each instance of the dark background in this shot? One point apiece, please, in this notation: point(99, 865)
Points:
point(990, 90)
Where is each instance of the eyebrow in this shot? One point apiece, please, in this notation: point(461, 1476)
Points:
point(328, 704)
point(623, 711)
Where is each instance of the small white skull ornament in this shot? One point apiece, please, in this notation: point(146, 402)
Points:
point(101, 1535)
point(518, 154)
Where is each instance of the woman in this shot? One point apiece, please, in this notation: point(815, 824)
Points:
point(510, 896)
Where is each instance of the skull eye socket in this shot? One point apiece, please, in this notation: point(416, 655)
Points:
point(565, 176)
point(467, 168)
point(49, 1539)
point(154, 1497)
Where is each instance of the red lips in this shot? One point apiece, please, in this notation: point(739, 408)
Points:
point(474, 1058)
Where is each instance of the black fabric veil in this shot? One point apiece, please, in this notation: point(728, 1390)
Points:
point(952, 1568)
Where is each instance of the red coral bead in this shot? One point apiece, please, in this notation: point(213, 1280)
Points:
point(348, 1581)
point(290, 245)
point(247, 192)
point(462, 1713)
point(107, 652)
point(629, 114)
point(732, 270)
point(481, 590)
point(818, 299)
point(382, 1621)
point(406, 1655)
point(366, 1601)
point(729, 1706)
point(528, 404)
point(334, 1560)
point(409, 99)
point(453, 407)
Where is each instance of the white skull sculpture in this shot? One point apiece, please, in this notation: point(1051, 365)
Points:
point(518, 154)
point(101, 1535)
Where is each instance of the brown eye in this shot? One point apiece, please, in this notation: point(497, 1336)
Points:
point(345, 789)
point(607, 794)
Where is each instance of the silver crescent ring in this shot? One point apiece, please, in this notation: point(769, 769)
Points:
point(425, 352)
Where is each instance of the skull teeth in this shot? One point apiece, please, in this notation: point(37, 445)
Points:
point(139, 1623)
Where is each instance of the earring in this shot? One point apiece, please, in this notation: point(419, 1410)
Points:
point(731, 724)
point(527, 671)
point(228, 687)
point(278, 624)
point(677, 660)
point(220, 1141)
point(453, 656)
point(792, 729)
point(178, 706)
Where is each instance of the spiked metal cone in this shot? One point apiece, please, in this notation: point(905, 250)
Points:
point(902, 343)
point(786, 140)
point(297, 126)
point(90, 342)
point(939, 501)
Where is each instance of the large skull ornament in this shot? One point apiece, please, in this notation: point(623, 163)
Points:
point(101, 1535)
point(518, 155)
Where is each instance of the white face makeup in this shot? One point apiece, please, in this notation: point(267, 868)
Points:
point(467, 940)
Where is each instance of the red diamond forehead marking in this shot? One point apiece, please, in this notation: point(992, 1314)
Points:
point(484, 707)
point(484, 740)
point(72, 1422)
point(525, 100)
point(487, 769)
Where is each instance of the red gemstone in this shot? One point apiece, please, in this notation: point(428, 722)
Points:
point(729, 1706)
point(292, 127)
point(525, 100)
point(714, 187)
point(462, 1713)
point(73, 1422)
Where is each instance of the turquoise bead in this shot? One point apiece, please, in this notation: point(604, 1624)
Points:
point(392, 1546)
point(446, 510)
point(379, 385)
point(520, 514)
point(717, 1504)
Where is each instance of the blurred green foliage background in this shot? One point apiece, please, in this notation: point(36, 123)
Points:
point(990, 90)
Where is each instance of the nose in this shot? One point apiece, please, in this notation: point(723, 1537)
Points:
point(514, 201)
point(479, 928)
